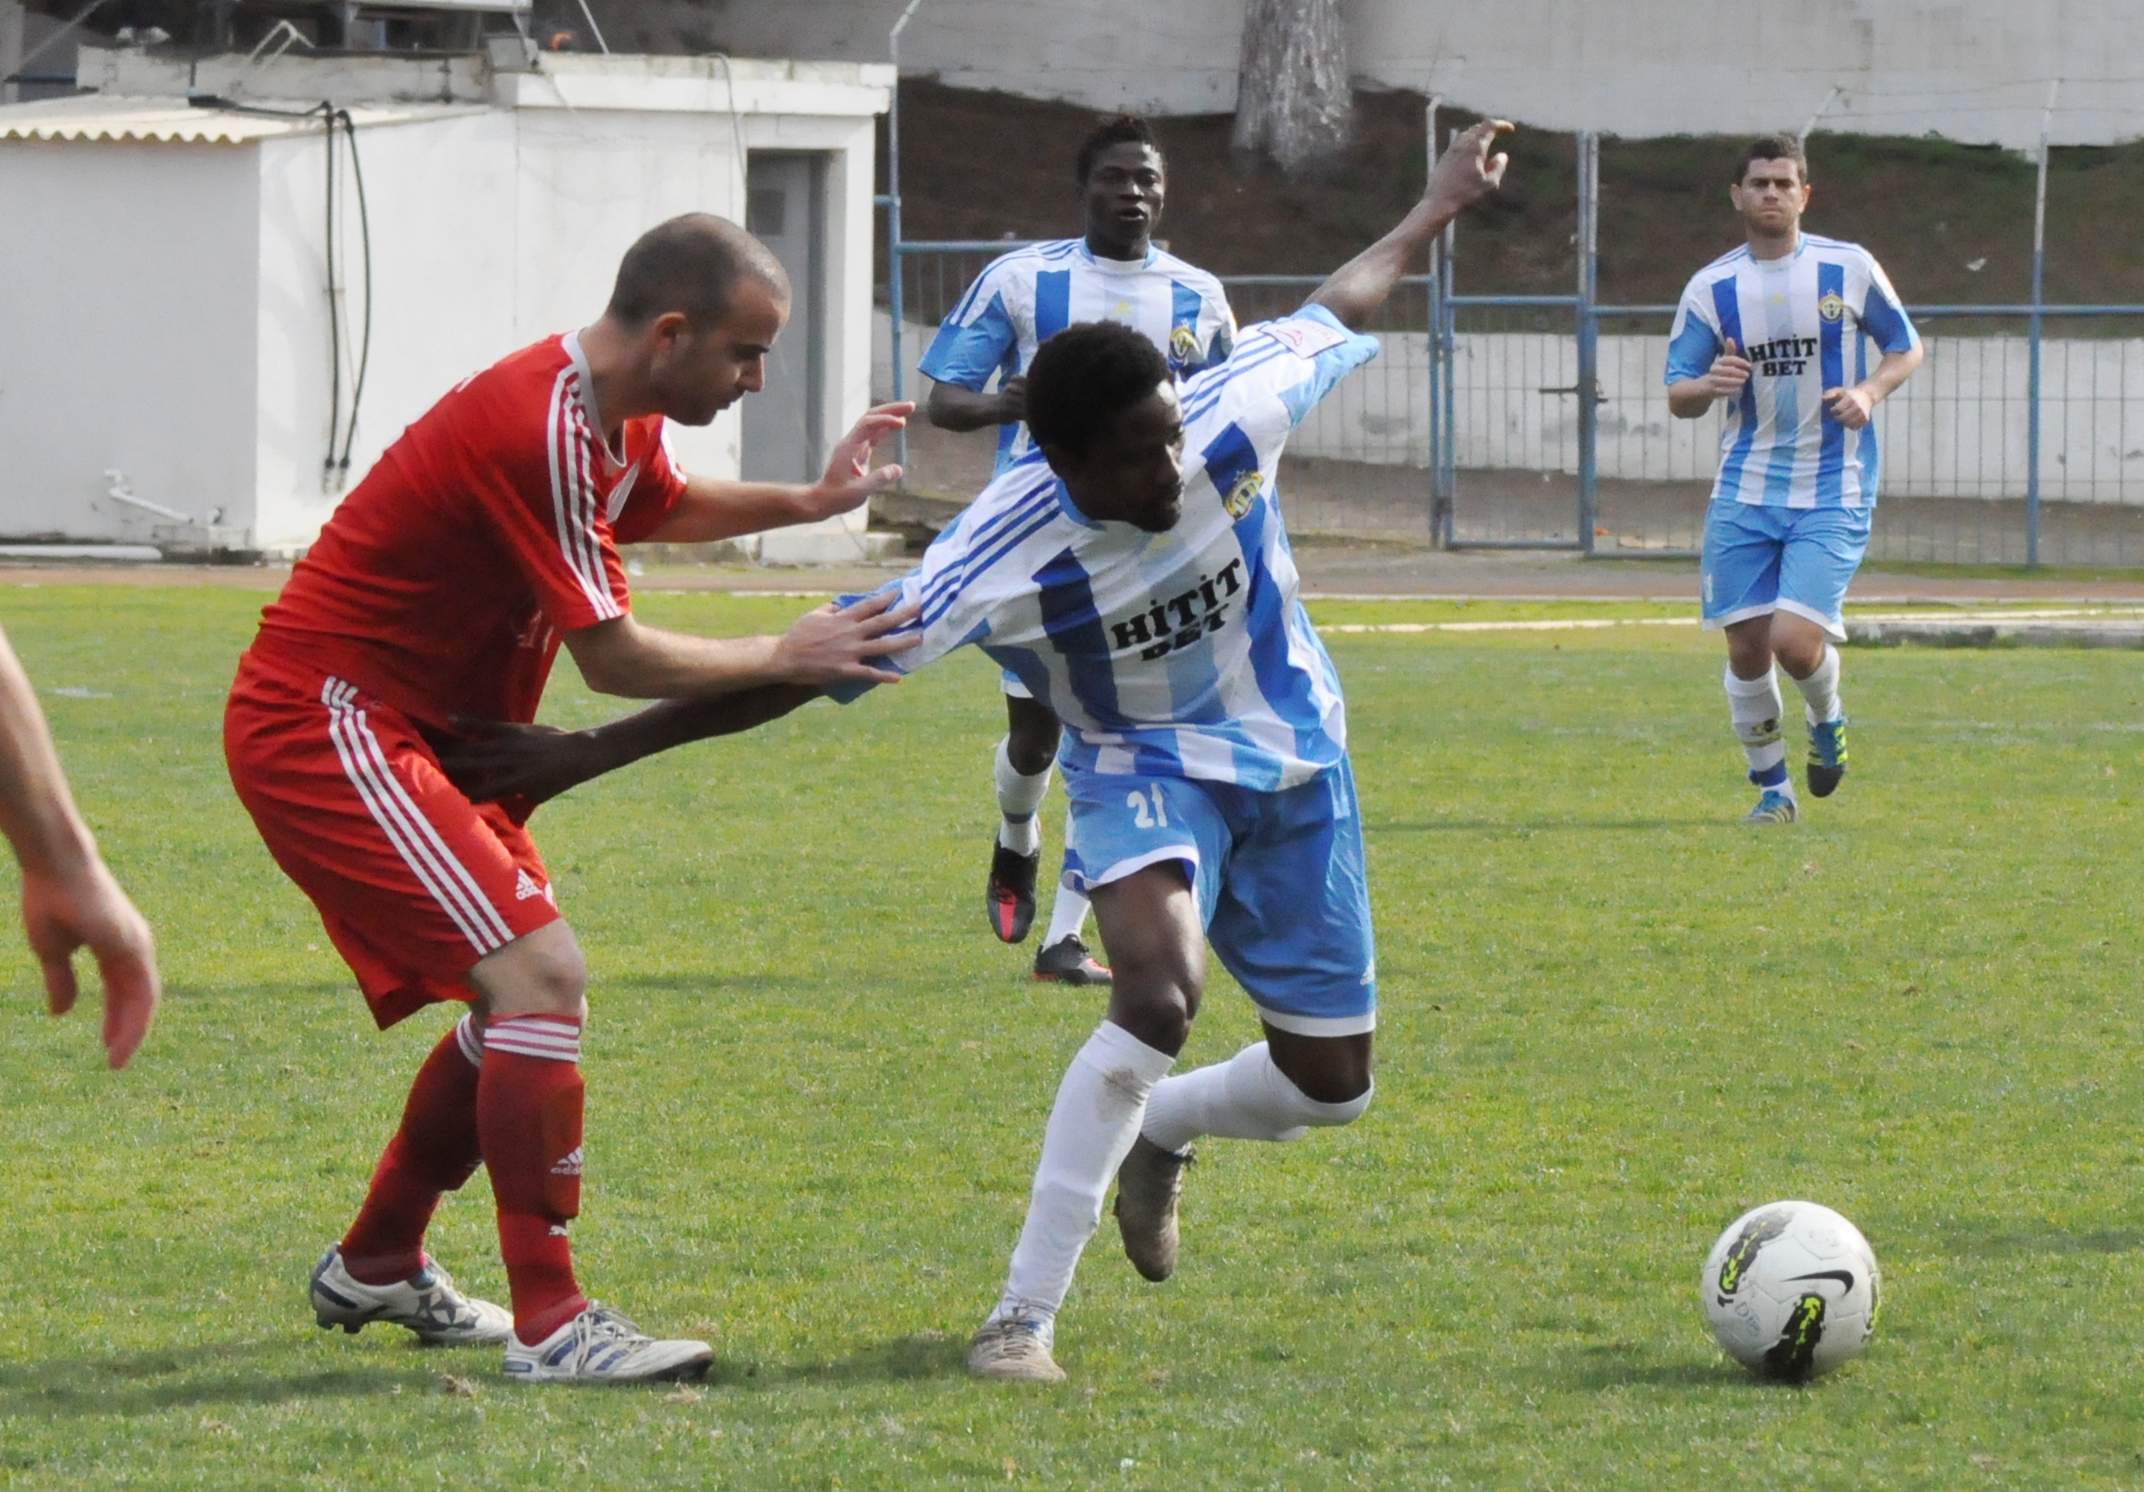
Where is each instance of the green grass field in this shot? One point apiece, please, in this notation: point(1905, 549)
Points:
point(1612, 1020)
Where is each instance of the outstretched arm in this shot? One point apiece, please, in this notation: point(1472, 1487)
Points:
point(1465, 174)
point(69, 899)
point(494, 760)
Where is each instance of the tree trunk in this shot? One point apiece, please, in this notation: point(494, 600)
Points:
point(1293, 101)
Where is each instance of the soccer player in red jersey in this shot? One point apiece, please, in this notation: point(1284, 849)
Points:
point(441, 588)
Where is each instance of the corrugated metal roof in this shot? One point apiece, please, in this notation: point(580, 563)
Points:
point(99, 116)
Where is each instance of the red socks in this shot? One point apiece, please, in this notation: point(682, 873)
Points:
point(434, 1151)
point(528, 1115)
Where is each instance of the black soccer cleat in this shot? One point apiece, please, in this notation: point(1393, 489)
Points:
point(1827, 757)
point(1009, 895)
point(1067, 961)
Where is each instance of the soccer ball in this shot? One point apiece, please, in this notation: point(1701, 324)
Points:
point(1791, 1290)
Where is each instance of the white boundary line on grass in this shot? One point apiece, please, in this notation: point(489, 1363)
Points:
point(1586, 624)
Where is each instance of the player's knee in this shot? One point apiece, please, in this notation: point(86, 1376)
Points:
point(1158, 1011)
point(1031, 737)
point(542, 973)
point(1801, 654)
point(1310, 1112)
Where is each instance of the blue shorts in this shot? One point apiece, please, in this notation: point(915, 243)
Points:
point(1014, 689)
point(1758, 560)
point(1279, 878)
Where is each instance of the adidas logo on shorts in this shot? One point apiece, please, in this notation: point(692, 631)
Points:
point(569, 1164)
point(525, 886)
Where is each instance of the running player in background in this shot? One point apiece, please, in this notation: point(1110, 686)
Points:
point(1113, 273)
point(1139, 581)
point(1780, 329)
point(69, 899)
point(442, 587)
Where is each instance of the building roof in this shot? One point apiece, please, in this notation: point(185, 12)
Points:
point(100, 116)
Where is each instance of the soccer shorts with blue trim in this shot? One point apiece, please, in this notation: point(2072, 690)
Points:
point(1279, 878)
point(1761, 559)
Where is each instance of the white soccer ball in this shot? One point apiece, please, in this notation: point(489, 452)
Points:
point(1791, 1290)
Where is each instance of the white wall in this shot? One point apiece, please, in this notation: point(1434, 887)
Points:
point(589, 183)
point(1967, 69)
point(124, 344)
point(443, 289)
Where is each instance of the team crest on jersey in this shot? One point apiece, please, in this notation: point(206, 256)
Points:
point(1239, 498)
point(1183, 344)
point(1831, 307)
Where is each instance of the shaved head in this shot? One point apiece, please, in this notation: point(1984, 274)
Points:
point(691, 264)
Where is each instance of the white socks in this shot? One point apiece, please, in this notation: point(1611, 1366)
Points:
point(1068, 913)
point(1244, 1098)
point(1018, 797)
point(1091, 1129)
point(1754, 706)
point(1820, 691)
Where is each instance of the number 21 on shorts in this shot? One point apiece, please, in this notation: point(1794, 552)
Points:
point(1147, 807)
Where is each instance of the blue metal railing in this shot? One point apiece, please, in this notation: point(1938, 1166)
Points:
point(1424, 397)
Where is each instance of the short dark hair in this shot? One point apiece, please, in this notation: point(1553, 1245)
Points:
point(1774, 148)
point(692, 263)
point(1084, 375)
point(1122, 129)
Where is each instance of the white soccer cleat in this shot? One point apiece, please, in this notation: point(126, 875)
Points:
point(1014, 1349)
point(427, 1303)
point(601, 1346)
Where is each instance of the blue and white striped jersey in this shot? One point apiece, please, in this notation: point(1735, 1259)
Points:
point(1030, 295)
point(1804, 321)
point(1178, 654)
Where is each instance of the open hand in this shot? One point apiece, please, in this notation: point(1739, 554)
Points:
point(850, 480)
point(64, 912)
point(1467, 172)
point(836, 643)
point(497, 761)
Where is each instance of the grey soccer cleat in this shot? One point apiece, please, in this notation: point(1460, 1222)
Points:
point(1148, 1184)
point(1014, 1349)
point(601, 1346)
point(427, 1303)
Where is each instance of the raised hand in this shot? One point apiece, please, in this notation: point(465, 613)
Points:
point(1012, 400)
point(850, 480)
point(1467, 172)
point(836, 643)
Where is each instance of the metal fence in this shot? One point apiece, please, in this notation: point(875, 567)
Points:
point(1540, 421)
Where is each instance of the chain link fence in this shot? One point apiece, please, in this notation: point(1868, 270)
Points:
point(1540, 421)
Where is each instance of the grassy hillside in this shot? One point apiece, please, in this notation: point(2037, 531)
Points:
point(1929, 209)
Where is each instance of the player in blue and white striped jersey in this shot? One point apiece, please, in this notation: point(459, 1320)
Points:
point(1137, 575)
point(1111, 273)
point(1781, 329)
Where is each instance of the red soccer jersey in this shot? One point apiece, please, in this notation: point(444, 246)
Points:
point(443, 581)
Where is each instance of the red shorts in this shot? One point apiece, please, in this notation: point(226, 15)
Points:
point(414, 883)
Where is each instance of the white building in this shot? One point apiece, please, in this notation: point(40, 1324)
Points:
point(174, 360)
point(1969, 70)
